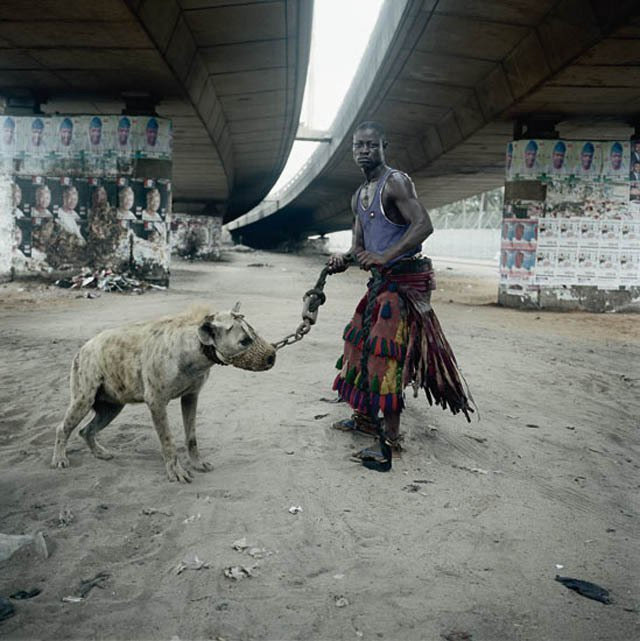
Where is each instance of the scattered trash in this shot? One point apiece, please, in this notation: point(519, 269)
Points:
point(107, 281)
point(475, 470)
point(92, 295)
point(412, 487)
point(10, 543)
point(25, 594)
point(422, 481)
point(570, 427)
point(66, 517)
point(338, 576)
point(457, 635)
point(240, 544)
point(192, 518)
point(289, 452)
point(610, 529)
point(86, 585)
point(153, 510)
point(259, 265)
point(237, 572)
point(6, 608)
point(294, 509)
point(585, 588)
point(317, 417)
point(559, 567)
point(480, 439)
point(324, 399)
point(191, 562)
point(341, 601)
point(532, 425)
point(257, 553)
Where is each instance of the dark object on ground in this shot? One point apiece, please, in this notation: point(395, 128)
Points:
point(6, 608)
point(378, 460)
point(25, 594)
point(457, 635)
point(87, 584)
point(590, 590)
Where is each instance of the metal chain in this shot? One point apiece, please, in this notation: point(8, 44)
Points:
point(311, 302)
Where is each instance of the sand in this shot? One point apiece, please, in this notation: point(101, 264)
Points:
point(547, 478)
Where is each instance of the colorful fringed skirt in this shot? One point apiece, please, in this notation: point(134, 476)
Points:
point(394, 340)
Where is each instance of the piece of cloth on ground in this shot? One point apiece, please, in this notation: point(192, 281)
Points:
point(394, 340)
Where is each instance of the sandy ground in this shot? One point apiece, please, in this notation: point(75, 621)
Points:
point(547, 478)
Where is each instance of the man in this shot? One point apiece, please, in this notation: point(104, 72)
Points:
point(124, 129)
point(151, 133)
point(557, 157)
point(42, 203)
point(394, 338)
point(66, 132)
point(635, 151)
point(8, 132)
point(530, 155)
point(635, 171)
point(68, 218)
point(125, 203)
point(586, 158)
point(95, 132)
point(615, 158)
point(37, 133)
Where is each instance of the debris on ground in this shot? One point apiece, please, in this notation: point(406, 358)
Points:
point(192, 518)
point(25, 594)
point(66, 517)
point(148, 511)
point(237, 572)
point(341, 601)
point(457, 635)
point(6, 608)
point(86, 585)
point(295, 509)
point(240, 544)
point(191, 562)
point(480, 439)
point(10, 543)
point(532, 425)
point(585, 588)
point(107, 281)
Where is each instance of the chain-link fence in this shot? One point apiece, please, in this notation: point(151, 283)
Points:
point(483, 211)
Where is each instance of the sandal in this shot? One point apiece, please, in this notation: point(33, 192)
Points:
point(360, 423)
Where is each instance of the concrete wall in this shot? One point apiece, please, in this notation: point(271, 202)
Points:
point(85, 192)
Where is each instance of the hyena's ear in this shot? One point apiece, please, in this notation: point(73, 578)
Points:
point(212, 328)
point(235, 312)
point(206, 332)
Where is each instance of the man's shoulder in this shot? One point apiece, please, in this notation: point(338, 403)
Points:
point(398, 183)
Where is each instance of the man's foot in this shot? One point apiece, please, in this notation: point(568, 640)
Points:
point(360, 423)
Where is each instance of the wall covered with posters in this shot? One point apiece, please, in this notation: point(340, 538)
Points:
point(571, 225)
point(86, 191)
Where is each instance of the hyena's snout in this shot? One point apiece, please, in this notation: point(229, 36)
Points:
point(260, 356)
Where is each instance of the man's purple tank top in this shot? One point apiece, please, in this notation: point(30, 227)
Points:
point(378, 231)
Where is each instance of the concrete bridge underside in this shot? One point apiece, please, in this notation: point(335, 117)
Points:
point(229, 73)
point(456, 77)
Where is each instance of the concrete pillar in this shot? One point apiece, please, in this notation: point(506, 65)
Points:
point(85, 192)
point(571, 225)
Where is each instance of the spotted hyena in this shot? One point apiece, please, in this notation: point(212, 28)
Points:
point(154, 362)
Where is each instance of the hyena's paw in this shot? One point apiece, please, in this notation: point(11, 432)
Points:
point(59, 460)
point(175, 472)
point(101, 452)
point(200, 465)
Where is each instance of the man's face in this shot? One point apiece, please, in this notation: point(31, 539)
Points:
point(557, 159)
point(99, 197)
point(636, 167)
point(70, 199)
point(7, 135)
point(65, 136)
point(126, 199)
point(368, 149)
point(636, 146)
point(152, 136)
point(153, 200)
point(616, 160)
point(519, 259)
point(43, 198)
point(586, 159)
point(530, 158)
point(519, 232)
point(36, 137)
point(123, 135)
point(95, 133)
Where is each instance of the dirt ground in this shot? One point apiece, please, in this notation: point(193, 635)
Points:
point(465, 534)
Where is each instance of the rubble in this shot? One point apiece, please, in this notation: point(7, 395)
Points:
point(107, 281)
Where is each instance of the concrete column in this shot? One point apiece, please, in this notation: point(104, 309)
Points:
point(571, 225)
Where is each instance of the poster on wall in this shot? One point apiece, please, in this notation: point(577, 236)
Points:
point(607, 271)
point(629, 267)
point(153, 138)
point(587, 266)
point(616, 160)
point(545, 265)
point(531, 159)
point(585, 160)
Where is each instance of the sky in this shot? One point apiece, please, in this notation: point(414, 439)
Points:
point(340, 33)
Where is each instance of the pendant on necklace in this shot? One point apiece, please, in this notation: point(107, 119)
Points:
point(372, 214)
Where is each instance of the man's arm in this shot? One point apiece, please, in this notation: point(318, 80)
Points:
point(400, 194)
point(337, 262)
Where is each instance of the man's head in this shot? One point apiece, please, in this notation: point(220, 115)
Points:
point(153, 200)
point(152, 132)
point(636, 145)
point(557, 157)
point(69, 198)
point(8, 130)
point(369, 144)
point(126, 198)
point(518, 231)
point(66, 132)
point(37, 129)
point(95, 130)
point(43, 197)
point(636, 167)
point(530, 153)
point(519, 259)
point(616, 156)
point(586, 156)
point(99, 197)
point(124, 128)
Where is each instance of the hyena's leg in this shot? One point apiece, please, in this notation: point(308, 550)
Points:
point(175, 471)
point(105, 413)
point(189, 403)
